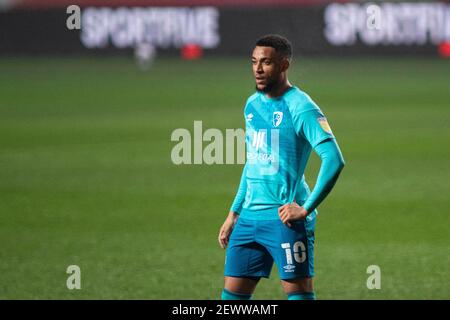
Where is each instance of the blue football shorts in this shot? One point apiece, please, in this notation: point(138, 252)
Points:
point(255, 244)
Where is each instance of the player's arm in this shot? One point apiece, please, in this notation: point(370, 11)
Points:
point(330, 168)
point(314, 128)
point(236, 207)
point(240, 194)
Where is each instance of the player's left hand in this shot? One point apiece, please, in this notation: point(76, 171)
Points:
point(291, 212)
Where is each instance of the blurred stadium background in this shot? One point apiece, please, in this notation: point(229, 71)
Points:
point(86, 117)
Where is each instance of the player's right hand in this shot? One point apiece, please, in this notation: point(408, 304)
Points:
point(226, 229)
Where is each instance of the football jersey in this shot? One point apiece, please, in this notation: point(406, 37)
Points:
point(280, 134)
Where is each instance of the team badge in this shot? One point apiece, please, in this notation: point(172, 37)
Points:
point(324, 124)
point(277, 118)
point(250, 117)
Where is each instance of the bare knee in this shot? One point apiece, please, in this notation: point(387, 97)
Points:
point(298, 285)
point(241, 285)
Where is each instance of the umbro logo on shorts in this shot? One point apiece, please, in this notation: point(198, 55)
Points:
point(289, 268)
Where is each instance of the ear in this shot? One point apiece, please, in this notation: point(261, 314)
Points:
point(285, 64)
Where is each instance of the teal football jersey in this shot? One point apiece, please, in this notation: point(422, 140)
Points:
point(280, 134)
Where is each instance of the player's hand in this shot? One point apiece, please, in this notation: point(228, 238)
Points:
point(227, 227)
point(291, 212)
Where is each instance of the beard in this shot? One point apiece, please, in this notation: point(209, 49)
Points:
point(267, 88)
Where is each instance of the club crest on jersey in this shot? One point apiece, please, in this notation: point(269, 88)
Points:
point(249, 117)
point(277, 118)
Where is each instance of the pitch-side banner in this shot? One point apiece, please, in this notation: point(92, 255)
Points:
point(335, 28)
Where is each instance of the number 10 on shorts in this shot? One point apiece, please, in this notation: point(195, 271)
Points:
point(299, 252)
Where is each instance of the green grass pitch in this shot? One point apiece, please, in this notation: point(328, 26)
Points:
point(86, 177)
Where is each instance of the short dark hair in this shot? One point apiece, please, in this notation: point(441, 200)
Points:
point(281, 45)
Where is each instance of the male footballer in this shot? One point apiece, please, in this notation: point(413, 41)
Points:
point(273, 215)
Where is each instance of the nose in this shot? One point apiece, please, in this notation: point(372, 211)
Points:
point(259, 68)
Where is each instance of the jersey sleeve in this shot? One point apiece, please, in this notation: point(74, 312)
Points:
point(236, 206)
point(239, 198)
point(313, 126)
point(331, 167)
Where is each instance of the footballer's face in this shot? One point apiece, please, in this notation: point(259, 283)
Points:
point(268, 67)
